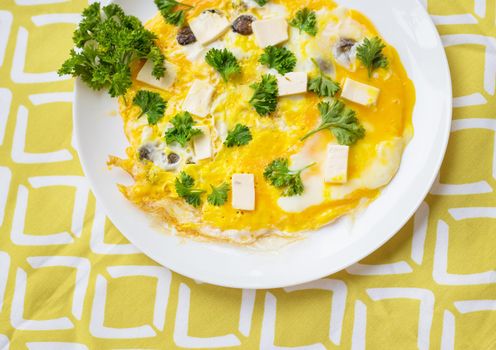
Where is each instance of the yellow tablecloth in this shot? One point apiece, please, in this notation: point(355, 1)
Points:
point(69, 280)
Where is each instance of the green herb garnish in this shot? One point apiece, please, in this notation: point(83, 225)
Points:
point(264, 99)
point(280, 58)
point(218, 196)
point(224, 62)
point(107, 42)
point(370, 53)
point(239, 136)
point(184, 188)
point(323, 85)
point(174, 12)
point(341, 121)
point(182, 131)
point(279, 175)
point(152, 105)
point(261, 2)
point(306, 21)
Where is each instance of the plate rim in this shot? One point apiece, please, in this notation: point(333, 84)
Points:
point(310, 277)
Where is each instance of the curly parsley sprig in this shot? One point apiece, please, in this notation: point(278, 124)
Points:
point(279, 175)
point(185, 189)
point(152, 105)
point(224, 62)
point(239, 136)
point(182, 131)
point(323, 85)
point(306, 21)
point(108, 41)
point(264, 99)
point(261, 2)
point(371, 55)
point(174, 12)
point(218, 196)
point(279, 58)
point(341, 121)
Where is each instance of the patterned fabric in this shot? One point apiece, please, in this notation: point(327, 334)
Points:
point(69, 280)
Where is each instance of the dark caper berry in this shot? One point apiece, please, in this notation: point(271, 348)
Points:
point(173, 158)
point(185, 36)
point(145, 152)
point(242, 25)
point(325, 66)
point(345, 45)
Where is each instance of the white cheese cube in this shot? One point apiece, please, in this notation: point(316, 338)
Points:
point(292, 83)
point(145, 75)
point(199, 98)
point(270, 31)
point(336, 165)
point(203, 144)
point(209, 26)
point(360, 93)
point(243, 191)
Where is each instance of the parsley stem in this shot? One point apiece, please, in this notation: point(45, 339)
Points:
point(298, 172)
point(198, 191)
point(185, 5)
point(317, 65)
point(313, 132)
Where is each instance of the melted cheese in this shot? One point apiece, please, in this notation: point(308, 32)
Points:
point(313, 178)
point(378, 173)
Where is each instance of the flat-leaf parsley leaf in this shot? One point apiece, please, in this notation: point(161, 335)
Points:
point(152, 105)
point(341, 121)
point(182, 131)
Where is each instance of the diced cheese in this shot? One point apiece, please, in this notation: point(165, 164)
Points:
point(209, 26)
point(359, 92)
point(145, 75)
point(199, 98)
point(271, 10)
point(336, 166)
point(243, 191)
point(193, 51)
point(270, 31)
point(292, 83)
point(203, 144)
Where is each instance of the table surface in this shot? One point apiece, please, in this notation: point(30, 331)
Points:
point(70, 280)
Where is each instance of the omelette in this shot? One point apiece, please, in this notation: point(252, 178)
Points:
point(305, 120)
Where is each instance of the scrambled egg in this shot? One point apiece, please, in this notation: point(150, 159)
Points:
point(373, 160)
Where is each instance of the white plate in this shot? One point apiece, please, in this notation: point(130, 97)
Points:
point(404, 24)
